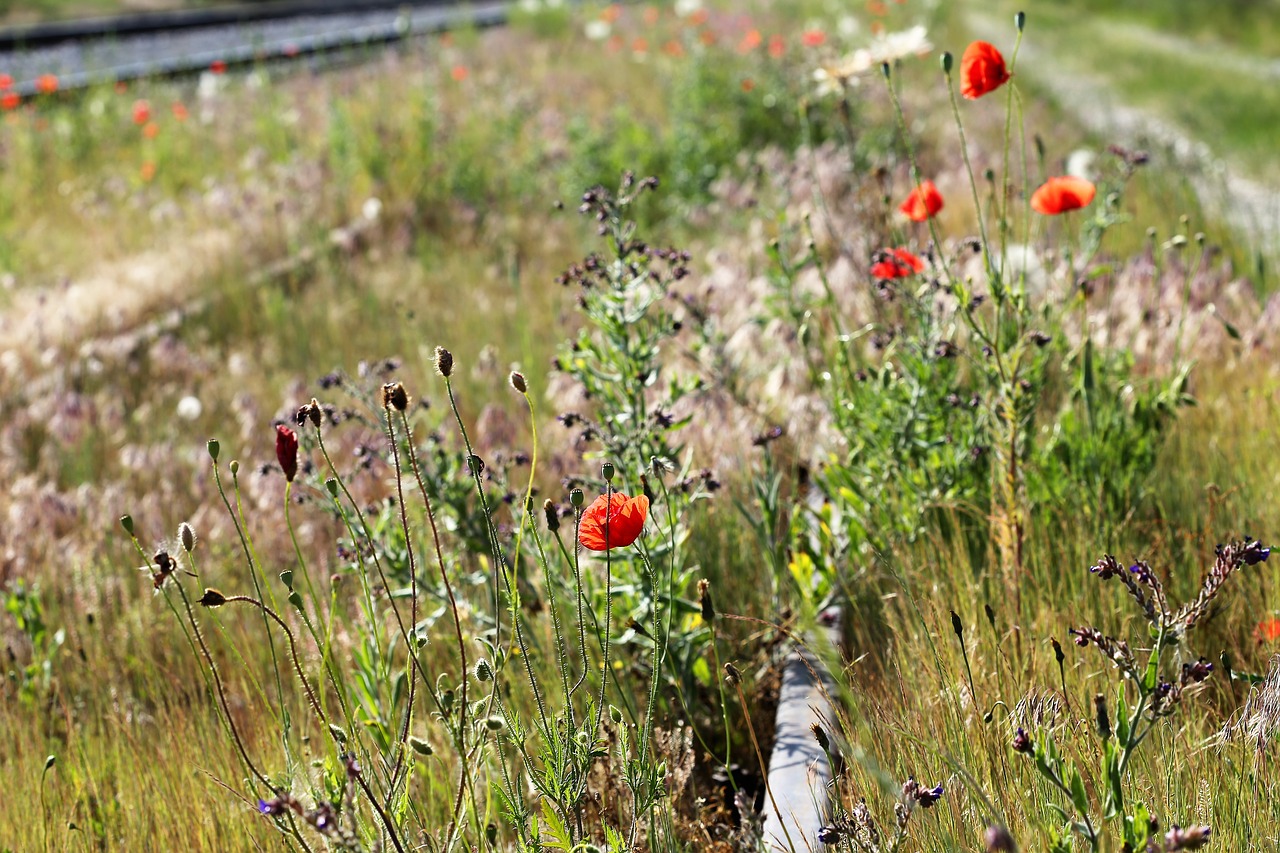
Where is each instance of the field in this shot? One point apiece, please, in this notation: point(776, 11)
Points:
point(315, 386)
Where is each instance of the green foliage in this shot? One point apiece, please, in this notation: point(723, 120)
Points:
point(31, 671)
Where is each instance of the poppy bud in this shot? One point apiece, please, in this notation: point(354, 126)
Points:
point(126, 521)
point(187, 537)
point(287, 451)
point(998, 840)
point(213, 598)
point(331, 485)
point(576, 497)
point(484, 670)
point(286, 578)
point(214, 448)
point(420, 746)
point(884, 69)
point(235, 468)
point(517, 382)
point(615, 714)
point(475, 464)
point(444, 362)
point(946, 63)
point(606, 471)
point(495, 723)
point(1020, 20)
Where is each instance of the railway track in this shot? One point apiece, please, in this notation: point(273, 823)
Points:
point(76, 55)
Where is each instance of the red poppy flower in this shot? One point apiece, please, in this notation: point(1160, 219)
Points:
point(924, 202)
point(896, 263)
point(141, 112)
point(287, 451)
point(1268, 630)
point(10, 101)
point(1058, 195)
point(751, 39)
point(777, 46)
point(6, 82)
point(982, 70)
point(626, 518)
point(813, 38)
point(180, 111)
point(458, 73)
point(218, 66)
point(47, 84)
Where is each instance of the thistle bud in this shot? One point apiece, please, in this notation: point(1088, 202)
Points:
point(187, 537)
point(444, 362)
point(517, 382)
point(553, 517)
point(575, 497)
point(213, 598)
point(126, 521)
point(394, 397)
point(214, 448)
point(606, 471)
point(946, 60)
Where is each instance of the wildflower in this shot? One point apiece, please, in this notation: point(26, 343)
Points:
point(47, 84)
point(287, 451)
point(151, 130)
point(6, 82)
point(998, 840)
point(813, 38)
point(218, 66)
point(10, 101)
point(748, 85)
point(180, 111)
point(924, 202)
point(147, 172)
point(624, 516)
point(1060, 194)
point(896, 263)
point(273, 807)
point(596, 30)
point(1268, 630)
point(141, 112)
point(751, 39)
point(1022, 742)
point(458, 73)
point(982, 70)
point(777, 47)
point(1191, 838)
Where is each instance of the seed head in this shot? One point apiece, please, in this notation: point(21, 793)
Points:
point(606, 471)
point(444, 362)
point(394, 397)
point(575, 497)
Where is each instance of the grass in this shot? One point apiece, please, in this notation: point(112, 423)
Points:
point(467, 144)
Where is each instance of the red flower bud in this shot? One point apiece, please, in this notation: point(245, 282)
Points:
point(287, 451)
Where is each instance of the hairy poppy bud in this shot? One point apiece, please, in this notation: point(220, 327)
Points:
point(126, 521)
point(339, 734)
point(946, 63)
point(187, 537)
point(214, 449)
point(444, 362)
point(1020, 20)
point(331, 486)
point(575, 497)
point(484, 670)
point(235, 468)
point(420, 746)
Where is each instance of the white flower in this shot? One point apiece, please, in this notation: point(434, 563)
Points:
point(597, 30)
point(371, 209)
point(685, 8)
point(189, 408)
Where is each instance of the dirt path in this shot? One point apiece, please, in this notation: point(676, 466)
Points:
point(1250, 207)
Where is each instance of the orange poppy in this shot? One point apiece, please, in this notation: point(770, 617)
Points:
point(1268, 630)
point(47, 84)
point(625, 519)
point(10, 101)
point(141, 112)
point(1058, 195)
point(982, 70)
point(896, 263)
point(814, 38)
point(924, 202)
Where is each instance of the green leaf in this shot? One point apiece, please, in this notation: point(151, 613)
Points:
point(554, 827)
point(1079, 797)
point(1122, 717)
